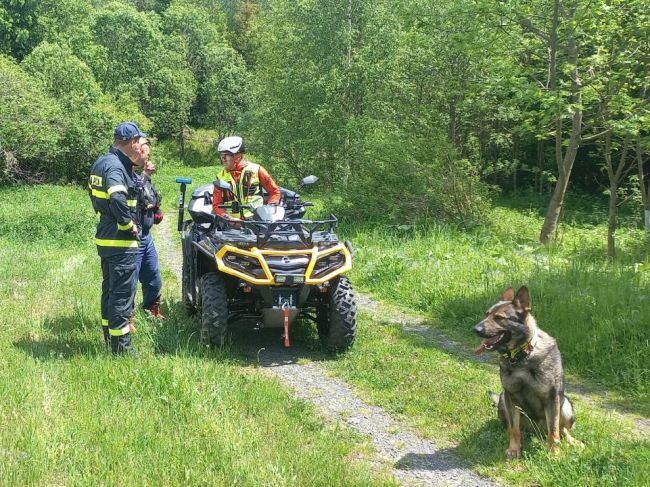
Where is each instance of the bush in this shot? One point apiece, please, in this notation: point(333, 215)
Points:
point(87, 119)
point(413, 180)
point(30, 125)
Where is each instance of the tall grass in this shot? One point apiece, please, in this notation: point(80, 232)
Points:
point(596, 311)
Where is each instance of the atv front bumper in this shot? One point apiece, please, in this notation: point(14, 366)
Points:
point(284, 267)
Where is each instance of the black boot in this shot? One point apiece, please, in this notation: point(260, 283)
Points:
point(122, 345)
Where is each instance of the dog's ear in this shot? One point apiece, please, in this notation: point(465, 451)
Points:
point(508, 294)
point(522, 299)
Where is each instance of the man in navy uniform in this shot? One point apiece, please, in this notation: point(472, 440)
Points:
point(114, 198)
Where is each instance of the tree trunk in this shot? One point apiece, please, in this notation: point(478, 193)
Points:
point(554, 208)
point(564, 163)
point(644, 187)
point(611, 221)
point(613, 198)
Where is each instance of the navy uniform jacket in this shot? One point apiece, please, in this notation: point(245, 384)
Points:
point(114, 198)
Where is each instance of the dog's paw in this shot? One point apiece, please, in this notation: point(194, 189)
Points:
point(571, 440)
point(554, 445)
point(512, 453)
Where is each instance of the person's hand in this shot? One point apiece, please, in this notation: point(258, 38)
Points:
point(135, 231)
point(149, 168)
point(234, 222)
point(158, 217)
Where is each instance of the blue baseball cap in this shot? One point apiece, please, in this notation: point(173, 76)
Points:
point(128, 131)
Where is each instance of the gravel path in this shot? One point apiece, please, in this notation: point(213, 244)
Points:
point(413, 460)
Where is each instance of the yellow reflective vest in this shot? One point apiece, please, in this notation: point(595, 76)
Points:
point(247, 191)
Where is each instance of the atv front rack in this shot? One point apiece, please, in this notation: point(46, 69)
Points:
point(283, 233)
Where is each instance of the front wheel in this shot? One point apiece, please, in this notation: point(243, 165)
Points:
point(214, 309)
point(336, 318)
point(188, 286)
point(186, 289)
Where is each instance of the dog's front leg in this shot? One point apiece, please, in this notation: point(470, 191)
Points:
point(513, 416)
point(552, 412)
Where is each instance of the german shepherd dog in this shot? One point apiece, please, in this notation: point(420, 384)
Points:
point(530, 368)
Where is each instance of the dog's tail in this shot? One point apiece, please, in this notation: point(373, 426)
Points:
point(494, 398)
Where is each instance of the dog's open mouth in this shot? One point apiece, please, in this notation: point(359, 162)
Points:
point(490, 343)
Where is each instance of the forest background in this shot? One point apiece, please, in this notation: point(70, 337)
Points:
point(435, 106)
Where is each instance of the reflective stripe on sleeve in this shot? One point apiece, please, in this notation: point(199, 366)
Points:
point(100, 242)
point(132, 203)
point(128, 226)
point(99, 194)
point(125, 330)
point(116, 188)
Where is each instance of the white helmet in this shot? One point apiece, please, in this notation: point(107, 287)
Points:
point(232, 145)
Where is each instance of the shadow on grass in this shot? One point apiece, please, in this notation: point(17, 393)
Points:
point(61, 338)
point(246, 344)
point(483, 447)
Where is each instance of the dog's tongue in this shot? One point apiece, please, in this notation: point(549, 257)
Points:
point(487, 344)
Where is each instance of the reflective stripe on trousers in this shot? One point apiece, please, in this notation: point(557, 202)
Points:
point(119, 285)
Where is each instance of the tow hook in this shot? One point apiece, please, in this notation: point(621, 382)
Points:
point(285, 311)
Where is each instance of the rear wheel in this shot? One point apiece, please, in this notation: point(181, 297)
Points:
point(336, 318)
point(214, 309)
point(186, 289)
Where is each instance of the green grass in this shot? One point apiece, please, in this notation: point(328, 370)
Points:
point(597, 312)
point(443, 396)
point(72, 414)
point(449, 278)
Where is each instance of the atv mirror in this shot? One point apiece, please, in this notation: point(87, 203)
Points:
point(218, 183)
point(235, 207)
point(308, 180)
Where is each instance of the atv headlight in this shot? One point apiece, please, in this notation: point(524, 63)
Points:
point(327, 264)
point(242, 263)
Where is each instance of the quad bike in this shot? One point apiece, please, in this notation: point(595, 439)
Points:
point(268, 270)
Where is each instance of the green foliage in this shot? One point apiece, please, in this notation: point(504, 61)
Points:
point(30, 124)
point(17, 27)
point(63, 75)
point(68, 23)
point(128, 39)
point(357, 109)
point(85, 124)
point(222, 78)
point(171, 90)
point(225, 90)
point(162, 83)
